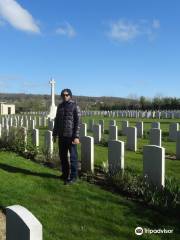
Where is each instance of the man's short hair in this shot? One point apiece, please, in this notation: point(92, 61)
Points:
point(66, 90)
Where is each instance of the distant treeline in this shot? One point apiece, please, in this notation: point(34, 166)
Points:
point(32, 102)
point(157, 103)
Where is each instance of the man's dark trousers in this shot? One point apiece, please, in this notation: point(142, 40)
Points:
point(68, 169)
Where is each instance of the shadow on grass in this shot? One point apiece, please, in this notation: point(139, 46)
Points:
point(147, 215)
point(133, 214)
point(12, 169)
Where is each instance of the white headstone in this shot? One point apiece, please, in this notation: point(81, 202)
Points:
point(155, 136)
point(97, 133)
point(21, 224)
point(32, 124)
point(49, 142)
point(83, 130)
point(112, 123)
point(158, 115)
point(40, 121)
point(15, 122)
point(34, 118)
point(113, 133)
point(10, 121)
point(3, 121)
point(90, 124)
point(178, 145)
point(87, 154)
point(6, 130)
point(154, 164)
point(125, 124)
point(12, 134)
point(131, 133)
point(155, 125)
point(115, 156)
point(23, 132)
point(140, 127)
point(35, 137)
point(44, 121)
point(101, 122)
point(26, 124)
point(173, 128)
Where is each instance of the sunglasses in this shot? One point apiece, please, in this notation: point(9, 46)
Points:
point(65, 95)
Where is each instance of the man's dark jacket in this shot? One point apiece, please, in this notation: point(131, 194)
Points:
point(67, 121)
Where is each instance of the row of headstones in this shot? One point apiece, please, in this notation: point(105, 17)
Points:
point(30, 122)
point(153, 159)
point(155, 134)
point(131, 133)
point(34, 113)
point(134, 114)
point(48, 140)
point(123, 113)
point(173, 127)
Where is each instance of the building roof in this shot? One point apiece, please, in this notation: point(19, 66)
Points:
point(7, 103)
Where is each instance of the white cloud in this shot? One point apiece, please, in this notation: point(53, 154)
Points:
point(66, 29)
point(156, 24)
point(1, 23)
point(124, 30)
point(17, 16)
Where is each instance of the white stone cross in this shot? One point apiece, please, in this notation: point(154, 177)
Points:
point(53, 108)
point(52, 83)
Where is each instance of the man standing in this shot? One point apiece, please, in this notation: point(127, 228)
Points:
point(66, 127)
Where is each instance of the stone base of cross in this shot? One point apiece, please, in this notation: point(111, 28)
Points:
point(52, 112)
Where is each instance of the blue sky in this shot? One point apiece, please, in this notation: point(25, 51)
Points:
point(116, 48)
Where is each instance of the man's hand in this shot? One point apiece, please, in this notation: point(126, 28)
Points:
point(54, 139)
point(76, 141)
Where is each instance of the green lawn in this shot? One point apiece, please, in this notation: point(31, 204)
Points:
point(80, 211)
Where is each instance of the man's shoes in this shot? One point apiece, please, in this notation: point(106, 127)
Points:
point(70, 181)
point(64, 177)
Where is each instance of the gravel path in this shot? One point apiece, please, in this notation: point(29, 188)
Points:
point(2, 226)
